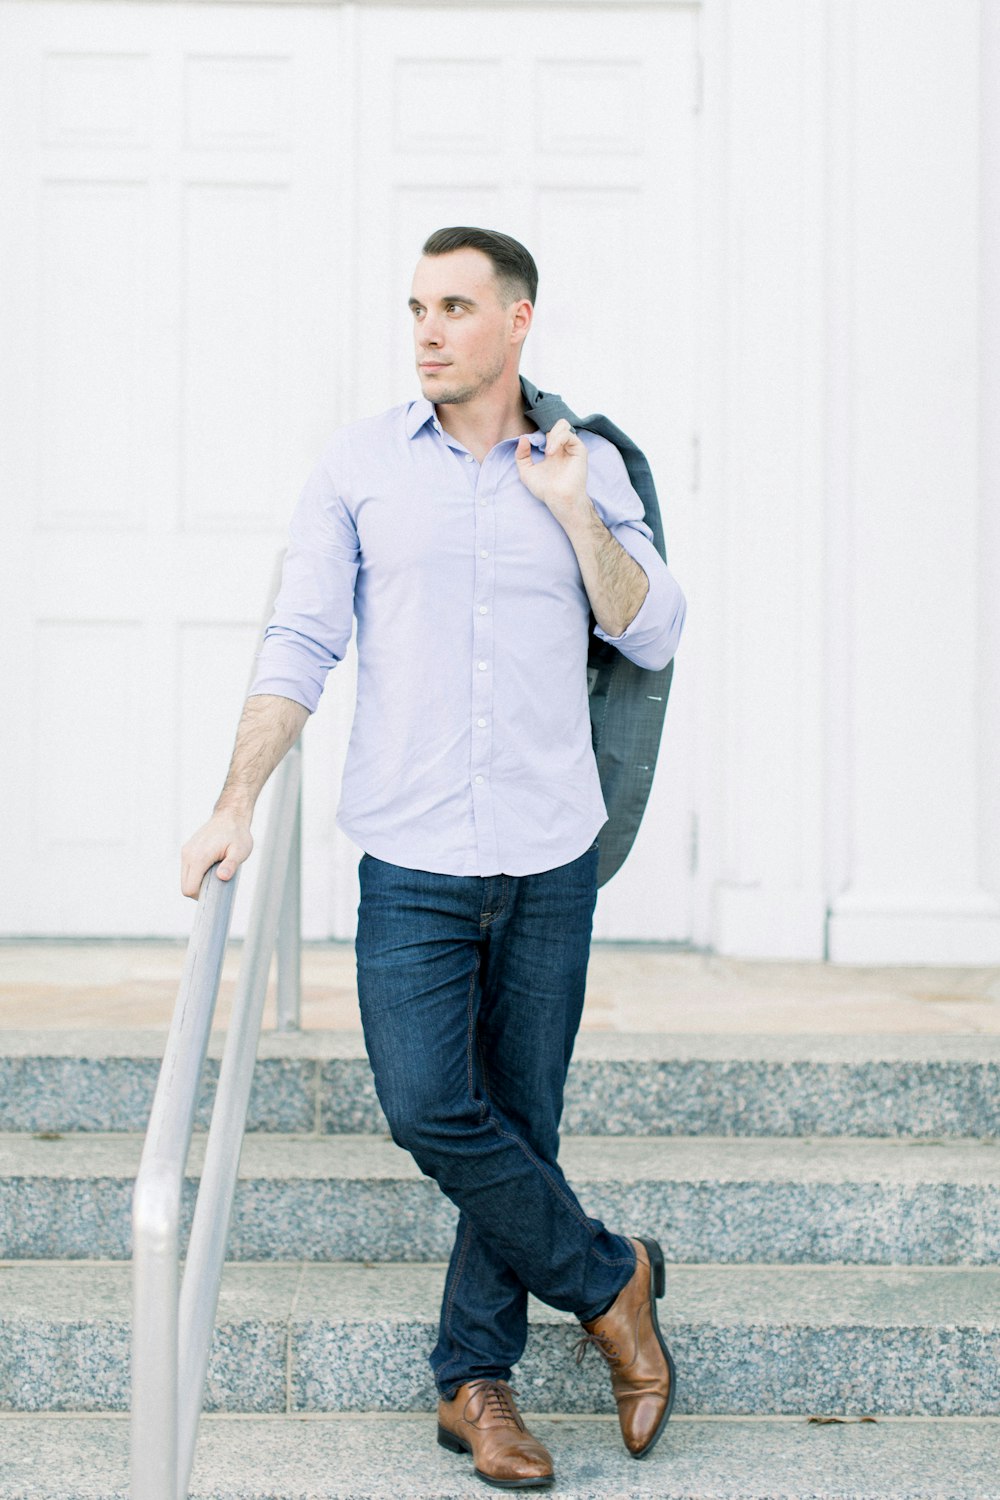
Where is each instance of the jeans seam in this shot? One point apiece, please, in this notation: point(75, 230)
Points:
point(470, 1043)
point(537, 1161)
point(556, 1190)
point(483, 1070)
point(463, 1254)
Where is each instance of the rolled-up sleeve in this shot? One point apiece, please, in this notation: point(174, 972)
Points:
point(652, 637)
point(310, 627)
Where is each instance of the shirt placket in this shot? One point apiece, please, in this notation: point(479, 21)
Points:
point(483, 666)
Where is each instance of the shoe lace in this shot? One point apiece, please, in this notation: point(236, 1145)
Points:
point(605, 1346)
point(497, 1400)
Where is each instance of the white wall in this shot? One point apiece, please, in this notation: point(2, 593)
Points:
point(854, 796)
point(908, 877)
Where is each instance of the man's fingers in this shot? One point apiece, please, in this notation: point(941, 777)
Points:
point(222, 841)
point(561, 437)
point(194, 867)
point(523, 460)
point(194, 874)
point(193, 871)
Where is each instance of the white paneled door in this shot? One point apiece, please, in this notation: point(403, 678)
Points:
point(170, 234)
point(211, 214)
point(574, 130)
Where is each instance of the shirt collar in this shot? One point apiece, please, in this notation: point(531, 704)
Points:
point(418, 414)
point(421, 411)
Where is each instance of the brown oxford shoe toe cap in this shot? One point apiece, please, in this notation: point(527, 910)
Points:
point(482, 1419)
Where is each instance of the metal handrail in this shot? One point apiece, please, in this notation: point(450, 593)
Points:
point(174, 1315)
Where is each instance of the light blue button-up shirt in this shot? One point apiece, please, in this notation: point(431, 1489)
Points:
point(470, 751)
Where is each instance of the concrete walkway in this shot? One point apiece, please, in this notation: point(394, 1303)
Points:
point(633, 987)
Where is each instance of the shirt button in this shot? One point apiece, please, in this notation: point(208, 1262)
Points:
point(479, 781)
point(481, 723)
point(482, 502)
point(482, 666)
point(483, 552)
point(468, 458)
point(482, 609)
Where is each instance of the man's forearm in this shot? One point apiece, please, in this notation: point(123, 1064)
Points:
point(616, 585)
point(268, 727)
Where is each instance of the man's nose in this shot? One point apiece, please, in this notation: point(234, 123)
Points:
point(430, 333)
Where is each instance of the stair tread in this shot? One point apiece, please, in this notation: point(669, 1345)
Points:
point(103, 1043)
point(818, 1159)
point(748, 1296)
point(383, 1457)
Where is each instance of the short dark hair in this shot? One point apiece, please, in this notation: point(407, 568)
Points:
point(513, 265)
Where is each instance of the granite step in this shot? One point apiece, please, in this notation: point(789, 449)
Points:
point(619, 1084)
point(708, 1199)
point(386, 1457)
point(747, 1340)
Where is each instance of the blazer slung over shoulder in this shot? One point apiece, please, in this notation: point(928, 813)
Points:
point(627, 702)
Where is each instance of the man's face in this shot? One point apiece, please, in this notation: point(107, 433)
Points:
point(465, 339)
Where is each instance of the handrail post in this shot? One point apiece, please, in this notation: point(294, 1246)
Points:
point(157, 1202)
point(174, 1315)
point(206, 1249)
point(155, 1285)
point(288, 983)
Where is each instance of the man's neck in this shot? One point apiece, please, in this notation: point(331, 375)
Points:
point(480, 424)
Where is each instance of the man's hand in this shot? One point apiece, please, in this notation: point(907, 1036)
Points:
point(225, 836)
point(559, 480)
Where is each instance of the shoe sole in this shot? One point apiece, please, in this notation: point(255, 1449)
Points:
point(657, 1287)
point(455, 1444)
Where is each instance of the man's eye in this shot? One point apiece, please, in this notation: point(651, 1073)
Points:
point(454, 304)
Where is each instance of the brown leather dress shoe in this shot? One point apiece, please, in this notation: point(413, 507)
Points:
point(482, 1419)
point(628, 1336)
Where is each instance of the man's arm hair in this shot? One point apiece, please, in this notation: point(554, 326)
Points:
point(269, 726)
point(616, 584)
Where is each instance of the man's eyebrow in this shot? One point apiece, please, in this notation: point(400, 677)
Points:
point(465, 301)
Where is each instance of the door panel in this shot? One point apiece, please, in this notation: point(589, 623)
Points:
point(170, 375)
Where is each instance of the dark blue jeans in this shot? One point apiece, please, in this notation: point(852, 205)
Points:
point(471, 991)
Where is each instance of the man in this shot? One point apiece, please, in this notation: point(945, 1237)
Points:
point(472, 549)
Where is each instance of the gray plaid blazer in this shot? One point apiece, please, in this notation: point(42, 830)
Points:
point(627, 703)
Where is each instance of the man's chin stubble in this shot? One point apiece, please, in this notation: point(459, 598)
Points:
point(454, 396)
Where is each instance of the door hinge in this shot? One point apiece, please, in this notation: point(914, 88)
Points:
point(693, 844)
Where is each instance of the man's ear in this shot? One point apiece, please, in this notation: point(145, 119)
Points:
point(523, 314)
